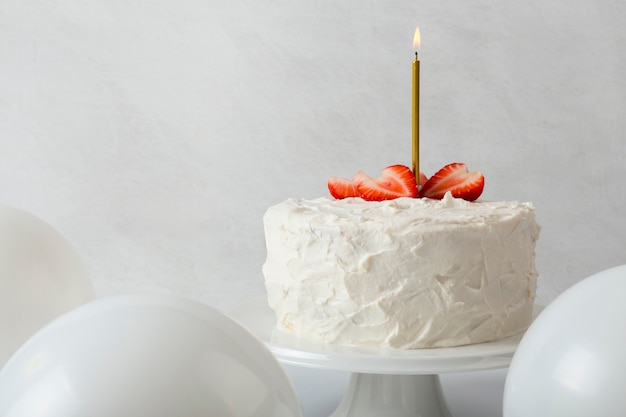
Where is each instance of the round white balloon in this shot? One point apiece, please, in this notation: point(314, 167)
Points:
point(572, 360)
point(41, 277)
point(145, 355)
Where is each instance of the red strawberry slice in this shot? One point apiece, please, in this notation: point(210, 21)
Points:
point(342, 188)
point(456, 179)
point(395, 181)
point(423, 178)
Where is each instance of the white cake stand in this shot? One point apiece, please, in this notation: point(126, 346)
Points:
point(384, 382)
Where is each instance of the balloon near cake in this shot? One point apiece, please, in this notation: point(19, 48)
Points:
point(401, 260)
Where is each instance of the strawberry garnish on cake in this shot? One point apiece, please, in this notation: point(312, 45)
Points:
point(395, 181)
point(399, 181)
point(423, 178)
point(456, 179)
point(341, 188)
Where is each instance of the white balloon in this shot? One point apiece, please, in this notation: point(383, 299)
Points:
point(41, 277)
point(145, 355)
point(572, 360)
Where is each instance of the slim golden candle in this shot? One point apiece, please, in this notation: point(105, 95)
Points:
point(416, 108)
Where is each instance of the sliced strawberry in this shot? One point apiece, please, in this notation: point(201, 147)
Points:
point(456, 179)
point(342, 188)
point(395, 181)
point(423, 179)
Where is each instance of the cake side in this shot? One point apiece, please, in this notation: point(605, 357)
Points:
point(405, 273)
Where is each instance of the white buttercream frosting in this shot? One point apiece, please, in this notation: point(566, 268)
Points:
point(406, 273)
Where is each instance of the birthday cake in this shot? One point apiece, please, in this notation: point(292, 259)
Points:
point(377, 266)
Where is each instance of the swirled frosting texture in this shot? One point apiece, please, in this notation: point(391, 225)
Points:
point(405, 273)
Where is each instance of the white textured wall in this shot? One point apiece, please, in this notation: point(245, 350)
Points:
point(153, 134)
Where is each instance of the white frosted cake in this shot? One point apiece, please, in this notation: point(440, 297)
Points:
point(406, 273)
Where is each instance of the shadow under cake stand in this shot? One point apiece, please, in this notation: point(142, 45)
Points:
point(383, 382)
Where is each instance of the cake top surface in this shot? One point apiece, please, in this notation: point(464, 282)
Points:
point(448, 210)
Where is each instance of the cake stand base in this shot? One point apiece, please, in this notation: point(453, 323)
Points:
point(380, 395)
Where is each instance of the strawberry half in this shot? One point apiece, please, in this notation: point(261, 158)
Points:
point(423, 178)
point(458, 180)
point(396, 181)
point(342, 188)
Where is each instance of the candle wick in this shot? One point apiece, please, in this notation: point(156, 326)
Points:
point(416, 55)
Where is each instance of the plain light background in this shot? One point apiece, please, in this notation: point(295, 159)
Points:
point(154, 134)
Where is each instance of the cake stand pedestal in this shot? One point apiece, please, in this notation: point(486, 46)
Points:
point(393, 396)
point(384, 382)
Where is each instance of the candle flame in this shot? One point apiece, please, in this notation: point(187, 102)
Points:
point(416, 38)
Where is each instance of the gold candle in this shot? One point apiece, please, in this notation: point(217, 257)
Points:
point(416, 107)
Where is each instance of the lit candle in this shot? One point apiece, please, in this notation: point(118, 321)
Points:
point(416, 107)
